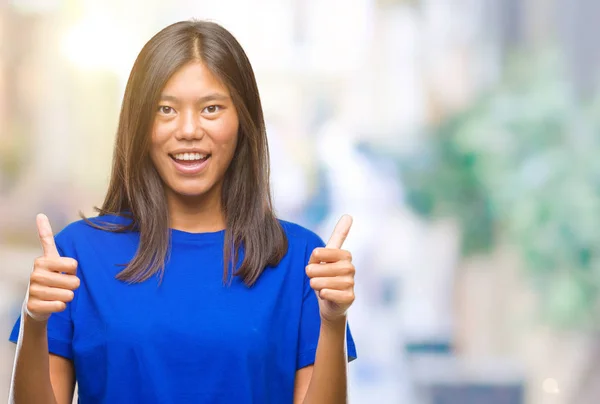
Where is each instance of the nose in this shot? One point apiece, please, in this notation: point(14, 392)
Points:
point(189, 128)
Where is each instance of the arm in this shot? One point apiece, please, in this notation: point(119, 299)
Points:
point(331, 275)
point(38, 377)
point(301, 383)
point(326, 380)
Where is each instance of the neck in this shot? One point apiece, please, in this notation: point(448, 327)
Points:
point(196, 214)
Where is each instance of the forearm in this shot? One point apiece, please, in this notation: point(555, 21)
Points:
point(329, 381)
point(31, 375)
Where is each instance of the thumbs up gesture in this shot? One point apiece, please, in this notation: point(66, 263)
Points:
point(331, 274)
point(52, 280)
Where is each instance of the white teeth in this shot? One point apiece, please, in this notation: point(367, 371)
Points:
point(189, 156)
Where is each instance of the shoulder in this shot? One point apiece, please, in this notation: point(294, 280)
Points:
point(89, 228)
point(299, 236)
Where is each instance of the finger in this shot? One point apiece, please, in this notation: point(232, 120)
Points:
point(329, 255)
point(48, 294)
point(342, 283)
point(340, 232)
point(56, 264)
point(46, 236)
point(341, 297)
point(36, 307)
point(55, 280)
point(338, 268)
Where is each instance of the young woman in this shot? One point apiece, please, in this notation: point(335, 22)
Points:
point(186, 288)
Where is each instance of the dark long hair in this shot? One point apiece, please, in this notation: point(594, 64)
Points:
point(136, 189)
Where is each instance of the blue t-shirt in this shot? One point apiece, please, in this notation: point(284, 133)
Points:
point(190, 339)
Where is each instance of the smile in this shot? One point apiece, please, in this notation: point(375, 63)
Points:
point(190, 163)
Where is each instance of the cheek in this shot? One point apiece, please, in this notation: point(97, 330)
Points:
point(161, 132)
point(160, 136)
point(226, 137)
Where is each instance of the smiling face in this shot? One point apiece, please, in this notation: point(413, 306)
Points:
point(194, 134)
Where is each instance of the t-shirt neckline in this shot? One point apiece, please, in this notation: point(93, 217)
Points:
point(177, 235)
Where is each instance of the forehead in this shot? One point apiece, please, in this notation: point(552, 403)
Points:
point(194, 79)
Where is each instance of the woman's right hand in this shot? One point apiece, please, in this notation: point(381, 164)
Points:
point(53, 278)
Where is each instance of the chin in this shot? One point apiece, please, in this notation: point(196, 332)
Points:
point(191, 192)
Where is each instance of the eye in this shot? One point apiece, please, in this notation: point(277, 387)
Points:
point(211, 109)
point(165, 109)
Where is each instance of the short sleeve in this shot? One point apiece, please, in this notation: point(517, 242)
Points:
point(310, 318)
point(60, 326)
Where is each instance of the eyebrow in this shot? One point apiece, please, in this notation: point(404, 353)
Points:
point(199, 100)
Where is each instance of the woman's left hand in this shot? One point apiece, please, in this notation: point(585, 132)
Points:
point(331, 274)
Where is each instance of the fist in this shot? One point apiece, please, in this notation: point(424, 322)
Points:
point(53, 280)
point(331, 274)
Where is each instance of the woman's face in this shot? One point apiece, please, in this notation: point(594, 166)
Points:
point(195, 132)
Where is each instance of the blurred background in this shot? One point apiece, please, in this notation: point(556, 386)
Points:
point(461, 135)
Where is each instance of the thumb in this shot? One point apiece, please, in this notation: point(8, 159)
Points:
point(342, 228)
point(46, 236)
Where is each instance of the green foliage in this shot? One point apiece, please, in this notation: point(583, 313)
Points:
point(523, 165)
